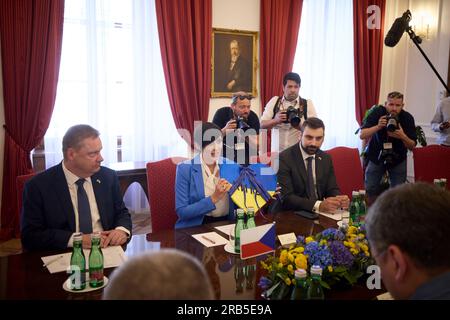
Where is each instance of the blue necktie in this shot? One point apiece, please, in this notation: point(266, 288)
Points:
point(84, 210)
point(310, 180)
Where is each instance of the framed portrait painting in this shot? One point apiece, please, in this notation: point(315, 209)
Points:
point(234, 62)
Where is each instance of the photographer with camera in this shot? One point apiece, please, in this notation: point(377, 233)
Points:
point(393, 132)
point(285, 114)
point(240, 128)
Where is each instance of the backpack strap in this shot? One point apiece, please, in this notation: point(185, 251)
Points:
point(304, 103)
point(276, 108)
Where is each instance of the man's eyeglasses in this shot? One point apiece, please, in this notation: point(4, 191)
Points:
point(242, 97)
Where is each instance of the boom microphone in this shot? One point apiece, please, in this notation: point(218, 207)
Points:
point(399, 26)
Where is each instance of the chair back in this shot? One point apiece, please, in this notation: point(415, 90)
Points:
point(20, 185)
point(348, 169)
point(161, 192)
point(431, 162)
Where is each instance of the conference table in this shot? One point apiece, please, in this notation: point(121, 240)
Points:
point(22, 276)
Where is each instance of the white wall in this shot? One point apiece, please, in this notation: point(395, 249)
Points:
point(404, 67)
point(406, 70)
point(239, 15)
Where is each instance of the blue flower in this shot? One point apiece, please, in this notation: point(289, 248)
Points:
point(341, 255)
point(318, 254)
point(264, 283)
point(333, 234)
point(300, 240)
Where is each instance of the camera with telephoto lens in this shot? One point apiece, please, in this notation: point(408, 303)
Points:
point(387, 155)
point(241, 123)
point(392, 122)
point(293, 116)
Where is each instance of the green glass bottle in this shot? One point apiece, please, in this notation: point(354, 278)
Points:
point(96, 262)
point(250, 271)
point(315, 291)
point(240, 225)
point(354, 209)
point(77, 264)
point(251, 218)
point(362, 205)
point(239, 275)
point(300, 291)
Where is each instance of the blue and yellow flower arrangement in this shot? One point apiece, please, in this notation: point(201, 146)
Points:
point(342, 253)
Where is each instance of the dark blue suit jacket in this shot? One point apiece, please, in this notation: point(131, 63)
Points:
point(48, 218)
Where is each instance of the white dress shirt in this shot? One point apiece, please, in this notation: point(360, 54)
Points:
point(283, 134)
point(95, 215)
point(305, 156)
point(210, 179)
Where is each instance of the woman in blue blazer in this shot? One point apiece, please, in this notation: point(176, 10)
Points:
point(201, 196)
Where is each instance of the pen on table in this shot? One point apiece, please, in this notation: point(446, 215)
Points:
point(53, 260)
point(206, 238)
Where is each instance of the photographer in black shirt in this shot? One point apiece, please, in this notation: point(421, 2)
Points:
point(240, 128)
point(392, 133)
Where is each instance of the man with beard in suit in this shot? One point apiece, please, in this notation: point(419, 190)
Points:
point(306, 174)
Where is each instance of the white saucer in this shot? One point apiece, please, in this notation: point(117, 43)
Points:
point(66, 285)
point(229, 248)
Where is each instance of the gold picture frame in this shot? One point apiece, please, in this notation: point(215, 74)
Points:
point(233, 62)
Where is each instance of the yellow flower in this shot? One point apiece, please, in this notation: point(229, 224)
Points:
point(364, 247)
point(290, 257)
point(301, 262)
point(361, 236)
point(280, 265)
point(330, 269)
point(354, 251)
point(288, 281)
point(309, 239)
point(283, 257)
point(351, 230)
point(298, 250)
point(323, 242)
point(290, 268)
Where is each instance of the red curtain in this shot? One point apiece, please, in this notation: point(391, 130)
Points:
point(368, 48)
point(280, 22)
point(185, 31)
point(31, 39)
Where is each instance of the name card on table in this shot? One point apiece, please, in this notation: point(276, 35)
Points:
point(113, 256)
point(287, 239)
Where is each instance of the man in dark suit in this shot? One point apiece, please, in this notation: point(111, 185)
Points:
point(306, 174)
point(77, 195)
point(238, 70)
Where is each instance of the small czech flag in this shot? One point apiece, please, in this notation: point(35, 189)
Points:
point(257, 241)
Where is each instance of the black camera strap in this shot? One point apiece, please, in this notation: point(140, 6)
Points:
point(303, 102)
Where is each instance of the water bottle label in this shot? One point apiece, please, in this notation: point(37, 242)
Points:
point(96, 278)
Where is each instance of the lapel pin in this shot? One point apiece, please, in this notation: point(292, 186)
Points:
point(98, 181)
